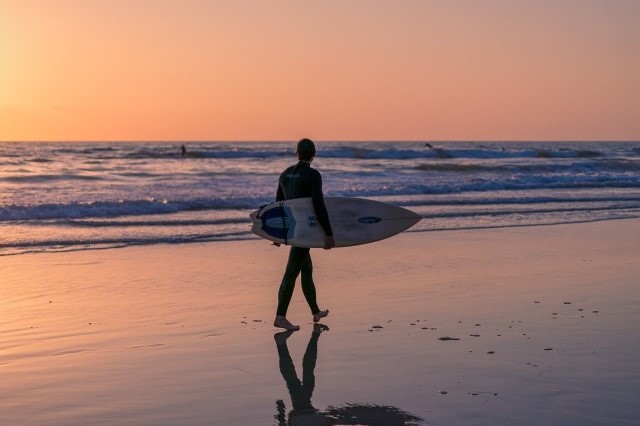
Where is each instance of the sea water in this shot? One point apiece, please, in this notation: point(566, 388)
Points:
point(78, 196)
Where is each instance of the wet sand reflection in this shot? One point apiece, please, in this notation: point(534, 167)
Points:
point(304, 413)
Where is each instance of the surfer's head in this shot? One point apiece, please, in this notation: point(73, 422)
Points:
point(306, 150)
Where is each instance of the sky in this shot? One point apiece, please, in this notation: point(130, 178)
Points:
point(330, 70)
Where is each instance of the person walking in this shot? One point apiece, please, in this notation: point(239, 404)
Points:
point(301, 181)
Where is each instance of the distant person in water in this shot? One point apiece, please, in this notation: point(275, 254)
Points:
point(183, 151)
point(300, 181)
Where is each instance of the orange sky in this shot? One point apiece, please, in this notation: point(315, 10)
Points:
point(330, 70)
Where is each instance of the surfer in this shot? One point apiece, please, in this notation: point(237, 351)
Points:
point(300, 181)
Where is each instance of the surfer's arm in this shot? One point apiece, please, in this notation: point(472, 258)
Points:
point(279, 193)
point(318, 205)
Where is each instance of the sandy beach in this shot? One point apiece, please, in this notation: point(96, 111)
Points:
point(514, 326)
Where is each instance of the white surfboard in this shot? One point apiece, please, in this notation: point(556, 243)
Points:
point(353, 221)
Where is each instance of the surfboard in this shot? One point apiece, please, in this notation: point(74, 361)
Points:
point(354, 221)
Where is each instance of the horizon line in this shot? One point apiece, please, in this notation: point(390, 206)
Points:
point(317, 140)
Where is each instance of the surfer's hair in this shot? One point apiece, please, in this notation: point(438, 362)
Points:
point(306, 149)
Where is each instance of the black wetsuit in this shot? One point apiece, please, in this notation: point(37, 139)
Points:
point(300, 181)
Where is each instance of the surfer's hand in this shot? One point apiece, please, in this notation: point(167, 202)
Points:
point(329, 243)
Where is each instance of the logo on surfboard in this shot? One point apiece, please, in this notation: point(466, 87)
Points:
point(369, 219)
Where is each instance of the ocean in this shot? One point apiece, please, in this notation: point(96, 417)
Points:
point(81, 196)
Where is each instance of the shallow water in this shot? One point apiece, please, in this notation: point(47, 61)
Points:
point(78, 196)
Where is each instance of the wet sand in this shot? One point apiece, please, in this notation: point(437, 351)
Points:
point(518, 326)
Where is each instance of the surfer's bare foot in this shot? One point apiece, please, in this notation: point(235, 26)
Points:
point(319, 315)
point(283, 322)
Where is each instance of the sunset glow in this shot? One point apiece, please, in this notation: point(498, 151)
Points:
point(357, 70)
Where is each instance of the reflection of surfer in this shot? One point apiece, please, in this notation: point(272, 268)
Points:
point(303, 412)
point(300, 181)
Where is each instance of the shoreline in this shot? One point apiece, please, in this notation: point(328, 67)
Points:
point(255, 238)
point(182, 334)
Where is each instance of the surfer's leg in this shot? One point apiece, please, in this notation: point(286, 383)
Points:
point(297, 257)
point(309, 290)
point(308, 287)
